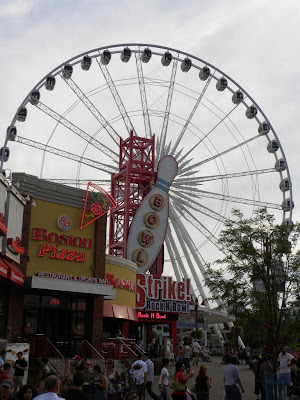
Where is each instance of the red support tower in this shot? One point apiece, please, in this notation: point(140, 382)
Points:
point(129, 186)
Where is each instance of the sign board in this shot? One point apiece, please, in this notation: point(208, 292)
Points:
point(162, 295)
point(11, 355)
point(14, 210)
point(3, 228)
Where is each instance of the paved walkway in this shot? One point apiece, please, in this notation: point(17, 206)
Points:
point(216, 371)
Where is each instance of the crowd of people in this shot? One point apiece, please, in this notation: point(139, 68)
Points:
point(86, 382)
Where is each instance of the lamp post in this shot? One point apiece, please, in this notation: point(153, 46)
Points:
point(196, 310)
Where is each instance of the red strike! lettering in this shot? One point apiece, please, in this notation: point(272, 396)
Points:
point(140, 291)
point(164, 288)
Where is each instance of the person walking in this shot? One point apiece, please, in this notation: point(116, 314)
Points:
point(87, 375)
point(163, 382)
point(266, 366)
point(67, 381)
point(52, 388)
point(203, 384)
point(196, 350)
point(27, 392)
point(285, 360)
point(138, 371)
point(187, 352)
point(180, 394)
point(98, 386)
point(4, 372)
point(20, 368)
point(231, 380)
point(75, 391)
point(6, 389)
point(2, 359)
point(113, 378)
point(149, 376)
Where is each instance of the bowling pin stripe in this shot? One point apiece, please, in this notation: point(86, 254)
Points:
point(162, 184)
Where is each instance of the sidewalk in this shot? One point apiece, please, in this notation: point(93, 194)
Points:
point(215, 370)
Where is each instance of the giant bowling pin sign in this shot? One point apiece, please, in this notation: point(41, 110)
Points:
point(149, 225)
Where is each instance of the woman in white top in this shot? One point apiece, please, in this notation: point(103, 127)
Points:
point(163, 382)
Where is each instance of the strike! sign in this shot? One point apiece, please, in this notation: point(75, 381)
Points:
point(163, 295)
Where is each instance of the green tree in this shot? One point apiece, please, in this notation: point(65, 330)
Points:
point(258, 280)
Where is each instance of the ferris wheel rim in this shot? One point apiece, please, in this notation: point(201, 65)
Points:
point(75, 60)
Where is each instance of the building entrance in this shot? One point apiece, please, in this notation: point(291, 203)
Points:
point(62, 318)
point(56, 325)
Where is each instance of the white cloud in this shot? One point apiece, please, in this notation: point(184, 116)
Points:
point(17, 9)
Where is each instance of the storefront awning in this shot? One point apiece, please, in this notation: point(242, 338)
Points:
point(63, 285)
point(12, 272)
point(118, 311)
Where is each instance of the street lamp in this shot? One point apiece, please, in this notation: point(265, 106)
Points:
point(196, 310)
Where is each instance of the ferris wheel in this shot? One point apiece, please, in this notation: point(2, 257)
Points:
point(68, 129)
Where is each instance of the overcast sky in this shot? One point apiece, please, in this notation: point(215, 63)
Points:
point(255, 42)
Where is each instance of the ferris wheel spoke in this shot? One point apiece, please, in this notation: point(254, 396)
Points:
point(161, 150)
point(186, 242)
point(194, 181)
point(207, 134)
point(191, 116)
point(94, 111)
point(238, 174)
point(59, 152)
point(195, 205)
point(80, 182)
point(187, 215)
point(79, 132)
point(115, 94)
point(178, 257)
point(189, 241)
point(187, 257)
point(144, 102)
point(190, 168)
point(172, 256)
point(232, 199)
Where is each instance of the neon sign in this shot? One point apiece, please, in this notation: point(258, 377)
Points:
point(15, 246)
point(120, 283)
point(3, 228)
point(162, 294)
point(97, 203)
point(52, 237)
point(59, 253)
point(151, 315)
point(54, 302)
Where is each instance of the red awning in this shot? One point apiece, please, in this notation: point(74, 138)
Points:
point(132, 314)
point(3, 268)
point(108, 310)
point(119, 311)
point(14, 274)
